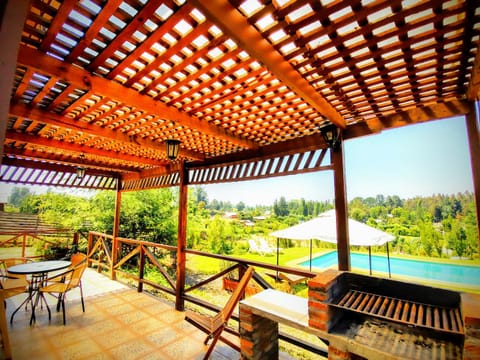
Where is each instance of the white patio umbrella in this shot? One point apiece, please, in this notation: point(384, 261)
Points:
point(324, 228)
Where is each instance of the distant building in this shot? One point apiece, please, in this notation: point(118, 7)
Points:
point(230, 215)
point(259, 218)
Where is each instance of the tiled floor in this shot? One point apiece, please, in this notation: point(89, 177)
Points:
point(119, 323)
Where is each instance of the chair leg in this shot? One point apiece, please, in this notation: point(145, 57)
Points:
point(212, 345)
point(63, 310)
point(81, 297)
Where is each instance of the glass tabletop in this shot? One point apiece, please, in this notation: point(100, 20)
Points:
point(38, 267)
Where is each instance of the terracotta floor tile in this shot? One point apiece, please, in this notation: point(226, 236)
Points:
point(135, 349)
point(118, 324)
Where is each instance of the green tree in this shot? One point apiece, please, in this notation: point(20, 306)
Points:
point(219, 236)
point(17, 196)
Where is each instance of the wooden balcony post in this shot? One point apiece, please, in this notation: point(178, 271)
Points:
point(472, 120)
point(12, 19)
point(116, 226)
point(141, 269)
point(182, 238)
point(24, 243)
point(343, 241)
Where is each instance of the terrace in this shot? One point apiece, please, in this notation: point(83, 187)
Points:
point(119, 323)
point(243, 89)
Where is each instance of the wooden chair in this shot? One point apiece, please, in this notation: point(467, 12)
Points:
point(214, 325)
point(60, 284)
point(6, 263)
point(12, 284)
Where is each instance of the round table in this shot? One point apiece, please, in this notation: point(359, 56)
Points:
point(38, 267)
point(38, 271)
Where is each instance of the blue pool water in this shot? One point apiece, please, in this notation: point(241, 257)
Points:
point(459, 274)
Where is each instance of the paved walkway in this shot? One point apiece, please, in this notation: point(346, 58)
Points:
point(119, 323)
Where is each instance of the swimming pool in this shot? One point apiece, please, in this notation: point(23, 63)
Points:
point(459, 274)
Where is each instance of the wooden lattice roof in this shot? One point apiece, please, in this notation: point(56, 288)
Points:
point(103, 84)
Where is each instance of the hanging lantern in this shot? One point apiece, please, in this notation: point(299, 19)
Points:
point(173, 148)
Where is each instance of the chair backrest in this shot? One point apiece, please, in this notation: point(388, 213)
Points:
point(77, 258)
point(6, 263)
point(227, 310)
point(75, 275)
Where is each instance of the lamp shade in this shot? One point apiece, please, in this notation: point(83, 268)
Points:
point(173, 148)
point(80, 172)
point(331, 135)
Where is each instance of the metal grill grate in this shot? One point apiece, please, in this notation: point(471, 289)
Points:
point(403, 311)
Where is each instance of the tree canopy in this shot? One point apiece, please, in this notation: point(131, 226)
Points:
point(436, 226)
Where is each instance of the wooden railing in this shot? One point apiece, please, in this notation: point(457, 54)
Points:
point(133, 256)
point(28, 238)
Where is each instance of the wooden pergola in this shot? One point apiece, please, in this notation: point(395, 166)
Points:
point(245, 86)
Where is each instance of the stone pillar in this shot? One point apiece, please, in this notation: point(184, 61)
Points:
point(258, 336)
point(321, 290)
point(471, 347)
point(338, 352)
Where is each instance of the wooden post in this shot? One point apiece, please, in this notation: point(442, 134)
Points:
point(116, 226)
point(12, 19)
point(141, 269)
point(76, 237)
point(24, 244)
point(182, 238)
point(472, 120)
point(343, 241)
point(89, 247)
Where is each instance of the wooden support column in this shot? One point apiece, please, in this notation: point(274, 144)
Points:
point(12, 19)
point(473, 132)
point(182, 238)
point(116, 227)
point(343, 241)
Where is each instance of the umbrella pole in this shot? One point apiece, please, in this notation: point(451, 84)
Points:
point(370, 258)
point(310, 255)
point(388, 259)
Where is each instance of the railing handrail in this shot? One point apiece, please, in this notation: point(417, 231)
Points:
point(260, 264)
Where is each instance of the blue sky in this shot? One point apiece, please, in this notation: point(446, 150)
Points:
point(423, 159)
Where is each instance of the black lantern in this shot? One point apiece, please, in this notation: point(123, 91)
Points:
point(80, 172)
point(80, 169)
point(331, 135)
point(173, 147)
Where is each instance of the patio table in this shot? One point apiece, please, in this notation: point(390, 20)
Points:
point(38, 272)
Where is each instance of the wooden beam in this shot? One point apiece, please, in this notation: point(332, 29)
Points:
point(50, 118)
point(473, 90)
point(235, 25)
point(369, 127)
point(45, 156)
point(155, 172)
point(51, 143)
point(12, 19)
point(97, 85)
point(42, 165)
point(304, 144)
point(412, 116)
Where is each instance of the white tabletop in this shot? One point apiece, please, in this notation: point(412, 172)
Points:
point(280, 306)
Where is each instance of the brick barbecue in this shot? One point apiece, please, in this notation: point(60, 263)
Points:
point(398, 319)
